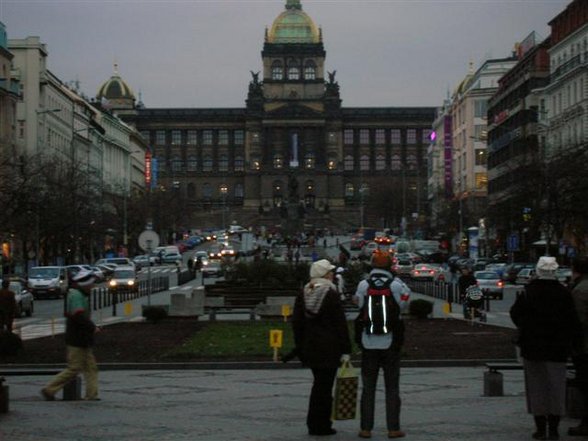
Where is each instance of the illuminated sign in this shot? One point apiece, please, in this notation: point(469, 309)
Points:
point(147, 168)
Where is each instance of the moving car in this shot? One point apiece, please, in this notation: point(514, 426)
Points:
point(424, 271)
point(211, 269)
point(215, 252)
point(172, 257)
point(48, 281)
point(120, 261)
point(403, 267)
point(228, 252)
point(525, 276)
point(142, 261)
point(124, 279)
point(490, 283)
point(512, 270)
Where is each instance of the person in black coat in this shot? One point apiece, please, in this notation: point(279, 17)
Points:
point(548, 331)
point(322, 342)
point(466, 280)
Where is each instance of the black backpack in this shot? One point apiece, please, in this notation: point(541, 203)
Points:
point(385, 311)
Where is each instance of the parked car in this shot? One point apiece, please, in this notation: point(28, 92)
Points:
point(107, 269)
point(490, 283)
point(24, 298)
point(119, 261)
point(142, 261)
point(525, 275)
point(172, 257)
point(124, 279)
point(564, 275)
point(512, 270)
point(48, 281)
point(498, 268)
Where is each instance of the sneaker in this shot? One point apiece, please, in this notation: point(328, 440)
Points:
point(365, 434)
point(47, 395)
point(396, 434)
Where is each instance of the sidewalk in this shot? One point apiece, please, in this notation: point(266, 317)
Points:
point(439, 404)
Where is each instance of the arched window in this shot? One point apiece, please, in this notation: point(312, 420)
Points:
point(309, 70)
point(206, 190)
point(380, 162)
point(277, 70)
point(278, 161)
point(395, 163)
point(349, 190)
point(223, 163)
point(348, 163)
point(176, 164)
point(309, 160)
point(192, 164)
point(207, 163)
point(364, 162)
point(239, 163)
point(191, 190)
point(239, 192)
point(293, 70)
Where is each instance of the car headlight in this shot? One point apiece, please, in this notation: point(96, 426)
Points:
point(112, 283)
point(131, 282)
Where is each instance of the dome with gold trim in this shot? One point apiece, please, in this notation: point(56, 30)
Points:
point(293, 26)
point(115, 88)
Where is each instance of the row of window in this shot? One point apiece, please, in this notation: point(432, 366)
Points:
point(292, 70)
point(191, 137)
point(364, 136)
point(177, 164)
point(237, 137)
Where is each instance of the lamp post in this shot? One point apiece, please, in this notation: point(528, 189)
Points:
point(224, 190)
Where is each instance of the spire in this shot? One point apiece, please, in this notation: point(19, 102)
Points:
point(115, 68)
point(293, 4)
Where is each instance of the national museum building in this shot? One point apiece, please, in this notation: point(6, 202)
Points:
point(293, 144)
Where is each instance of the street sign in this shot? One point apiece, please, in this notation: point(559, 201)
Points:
point(148, 240)
point(512, 243)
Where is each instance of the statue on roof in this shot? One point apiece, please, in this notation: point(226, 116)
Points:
point(293, 4)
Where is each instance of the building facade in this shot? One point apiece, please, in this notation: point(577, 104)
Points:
point(292, 145)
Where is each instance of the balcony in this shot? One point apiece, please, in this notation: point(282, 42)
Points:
point(10, 86)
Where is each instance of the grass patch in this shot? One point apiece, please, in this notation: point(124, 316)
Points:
point(242, 339)
point(230, 339)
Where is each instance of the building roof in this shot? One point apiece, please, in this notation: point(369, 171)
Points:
point(293, 26)
point(115, 88)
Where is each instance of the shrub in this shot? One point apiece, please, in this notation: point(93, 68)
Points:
point(420, 308)
point(154, 314)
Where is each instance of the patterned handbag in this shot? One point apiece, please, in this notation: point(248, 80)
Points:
point(345, 399)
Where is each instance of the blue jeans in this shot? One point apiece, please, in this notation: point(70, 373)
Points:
point(371, 362)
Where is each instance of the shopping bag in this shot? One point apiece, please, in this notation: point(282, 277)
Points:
point(345, 399)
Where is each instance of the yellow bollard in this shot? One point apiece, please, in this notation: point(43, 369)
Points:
point(128, 309)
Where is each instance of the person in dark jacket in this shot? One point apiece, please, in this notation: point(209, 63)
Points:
point(580, 296)
point(7, 306)
point(466, 279)
point(548, 330)
point(322, 342)
point(79, 339)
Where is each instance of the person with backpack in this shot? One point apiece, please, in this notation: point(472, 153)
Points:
point(464, 282)
point(380, 333)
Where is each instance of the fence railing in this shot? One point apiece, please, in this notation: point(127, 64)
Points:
point(104, 297)
point(441, 290)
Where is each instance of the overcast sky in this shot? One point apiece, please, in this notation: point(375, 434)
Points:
point(198, 53)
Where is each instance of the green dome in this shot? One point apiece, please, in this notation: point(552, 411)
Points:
point(293, 26)
point(115, 88)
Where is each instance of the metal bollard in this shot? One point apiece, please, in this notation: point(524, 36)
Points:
point(4, 396)
point(493, 384)
point(72, 391)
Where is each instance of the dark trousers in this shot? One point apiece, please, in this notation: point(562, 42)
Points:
point(321, 400)
point(581, 366)
point(371, 362)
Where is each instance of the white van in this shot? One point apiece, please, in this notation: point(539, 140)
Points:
point(48, 281)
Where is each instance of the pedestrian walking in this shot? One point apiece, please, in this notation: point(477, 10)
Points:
point(79, 339)
point(322, 342)
point(466, 279)
point(7, 306)
point(579, 289)
point(380, 333)
point(548, 330)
